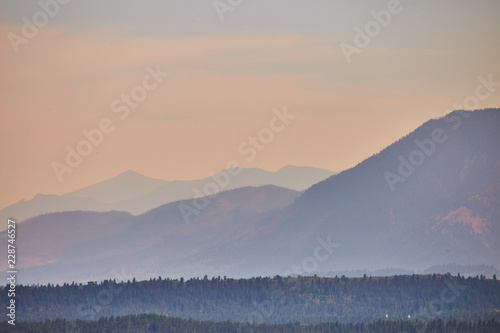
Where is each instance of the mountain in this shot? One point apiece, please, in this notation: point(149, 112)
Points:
point(48, 203)
point(126, 186)
point(464, 270)
point(82, 246)
point(291, 177)
point(136, 194)
point(296, 178)
point(431, 198)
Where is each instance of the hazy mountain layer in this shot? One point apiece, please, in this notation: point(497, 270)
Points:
point(134, 193)
point(82, 246)
point(431, 198)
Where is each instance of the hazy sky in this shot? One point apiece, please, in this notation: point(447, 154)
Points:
point(225, 79)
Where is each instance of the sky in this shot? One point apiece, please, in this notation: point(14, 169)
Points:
point(177, 89)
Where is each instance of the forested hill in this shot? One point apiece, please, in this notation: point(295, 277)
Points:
point(154, 323)
point(307, 300)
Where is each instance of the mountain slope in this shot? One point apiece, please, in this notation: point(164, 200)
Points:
point(134, 193)
point(431, 198)
point(49, 203)
point(84, 246)
point(443, 209)
point(291, 177)
point(126, 186)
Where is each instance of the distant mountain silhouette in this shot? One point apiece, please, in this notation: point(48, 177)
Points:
point(453, 269)
point(135, 193)
point(443, 208)
point(87, 245)
point(126, 186)
point(464, 270)
point(431, 198)
point(291, 177)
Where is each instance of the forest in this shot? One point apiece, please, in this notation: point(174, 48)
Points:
point(156, 323)
point(277, 300)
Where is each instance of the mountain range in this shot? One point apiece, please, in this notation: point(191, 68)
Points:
point(431, 198)
point(136, 194)
point(84, 246)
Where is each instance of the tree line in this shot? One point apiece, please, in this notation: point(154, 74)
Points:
point(280, 300)
point(147, 323)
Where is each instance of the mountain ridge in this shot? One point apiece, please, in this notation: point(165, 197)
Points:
point(78, 243)
point(444, 211)
point(135, 193)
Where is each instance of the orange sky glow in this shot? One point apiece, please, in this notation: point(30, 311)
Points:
point(223, 86)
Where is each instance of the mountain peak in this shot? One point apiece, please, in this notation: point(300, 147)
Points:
point(126, 186)
point(131, 173)
point(299, 167)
